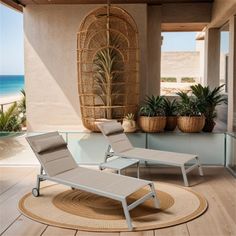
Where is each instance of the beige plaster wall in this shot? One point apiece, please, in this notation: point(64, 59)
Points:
point(221, 11)
point(51, 63)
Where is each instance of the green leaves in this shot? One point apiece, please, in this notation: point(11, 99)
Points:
point(170, 107)
point(22, 106)
point(209, 99)
point(188, 105)
point(153, 106)
point(9, 120)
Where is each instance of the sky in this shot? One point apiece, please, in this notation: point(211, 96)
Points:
point(11, 42)
point(12, 52)
point(178, 41)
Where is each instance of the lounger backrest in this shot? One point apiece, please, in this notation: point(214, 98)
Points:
point(52, 153)
point(114, 133)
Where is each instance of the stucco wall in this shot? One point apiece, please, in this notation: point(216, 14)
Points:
point(51, 63)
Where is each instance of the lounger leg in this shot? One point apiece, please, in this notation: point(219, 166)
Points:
point(155, 199)
point(108, 153)
point(36, 190)
point(138, 171)
point(38, 182)
point(127, 215)
point(145, 163)
point(184, 176)
point(38, 178)
point(199, 167)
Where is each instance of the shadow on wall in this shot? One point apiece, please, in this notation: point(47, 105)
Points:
point(51, 61)
point(51, 56)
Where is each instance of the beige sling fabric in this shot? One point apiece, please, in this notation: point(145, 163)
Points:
point(54, 160)
point(60, 165)
point(49, 143)
point(160, 156)
point(111, 128)
point(120, 143)
point(108, 182)
point(121, 146)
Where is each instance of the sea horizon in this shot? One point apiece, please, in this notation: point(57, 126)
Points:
point(11, 85)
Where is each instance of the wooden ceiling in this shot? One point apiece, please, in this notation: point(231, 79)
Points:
point(25, 2)
point(18, 4)
point(191, 25)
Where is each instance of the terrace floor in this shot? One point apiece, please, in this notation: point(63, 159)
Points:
point(218, 186)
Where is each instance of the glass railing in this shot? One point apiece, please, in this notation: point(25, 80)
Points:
point(89, 148)
point(230, 152)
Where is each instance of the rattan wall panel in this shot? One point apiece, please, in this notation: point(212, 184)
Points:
point(108, 65)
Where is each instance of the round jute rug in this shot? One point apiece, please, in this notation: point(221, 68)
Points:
point(60, 206)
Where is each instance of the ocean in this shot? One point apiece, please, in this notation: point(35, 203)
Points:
point(11, 85)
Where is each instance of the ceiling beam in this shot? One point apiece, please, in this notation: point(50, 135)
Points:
point(13, 5)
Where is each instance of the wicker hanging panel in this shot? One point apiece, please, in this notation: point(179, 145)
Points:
point(108, 66)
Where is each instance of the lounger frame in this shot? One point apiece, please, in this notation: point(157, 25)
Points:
point(42, 176)
point(109, 153)
point(126, 208)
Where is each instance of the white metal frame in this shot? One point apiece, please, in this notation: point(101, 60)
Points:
point(109, 153)
point(103, 166)
point(126, 208)
point(121, 198)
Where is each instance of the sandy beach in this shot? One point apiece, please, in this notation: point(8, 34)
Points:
point(6, 101)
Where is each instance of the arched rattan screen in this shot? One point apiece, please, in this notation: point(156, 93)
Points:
point(108, 64)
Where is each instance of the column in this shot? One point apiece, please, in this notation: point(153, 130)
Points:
point(153, 49)
point(232, 76)
point(212, 58)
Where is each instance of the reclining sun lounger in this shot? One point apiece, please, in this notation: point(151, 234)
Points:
point(58, 165)
point(119, 145)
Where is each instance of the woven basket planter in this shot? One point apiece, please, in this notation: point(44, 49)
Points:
point(107, 32)
point(209, 126)
point(191, 124)
point(152, 124)
point(171, 123)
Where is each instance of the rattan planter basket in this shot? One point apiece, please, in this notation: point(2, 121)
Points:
point(191, 124)
point(108, 37)
point(152, 124)
point(171, 123)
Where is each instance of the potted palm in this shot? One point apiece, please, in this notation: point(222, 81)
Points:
point(129, 124)
point(152, 116)
point(209, 99)
point(190, 119)
point(170, 108)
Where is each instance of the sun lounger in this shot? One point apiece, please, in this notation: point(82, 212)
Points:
point(58, 165)
point(119, 145)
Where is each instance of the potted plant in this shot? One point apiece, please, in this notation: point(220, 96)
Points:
point(209, 100)
point(129, 124)
point(170, 108)
point(152, 116)
point(190, 119)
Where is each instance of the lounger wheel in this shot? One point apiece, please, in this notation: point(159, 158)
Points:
point(35, 192)
point(72, 188)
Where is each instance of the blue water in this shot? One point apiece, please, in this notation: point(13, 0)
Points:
point(11, 84)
